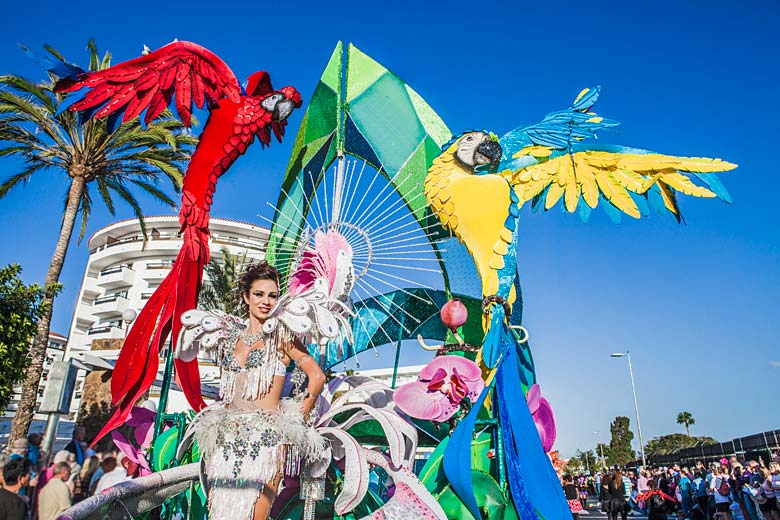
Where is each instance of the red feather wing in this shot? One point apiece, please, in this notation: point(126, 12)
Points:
point(183, 70)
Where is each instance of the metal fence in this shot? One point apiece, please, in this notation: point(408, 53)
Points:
point(751, 447)
point(130, 499)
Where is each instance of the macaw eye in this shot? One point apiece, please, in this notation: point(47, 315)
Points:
point(470, 138)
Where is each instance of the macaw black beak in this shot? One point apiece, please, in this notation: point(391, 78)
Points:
point(282, 110)
point(491, 150)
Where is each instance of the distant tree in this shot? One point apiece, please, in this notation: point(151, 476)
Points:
point(602, 451)
point(675, 442)
point(588, 461)
point(21, 307)
point(686, 419)
point(220, 289)
point(620, 451)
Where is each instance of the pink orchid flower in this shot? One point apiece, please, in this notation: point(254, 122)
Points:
point(442, 385)
point(142, 420)
point(543, 417)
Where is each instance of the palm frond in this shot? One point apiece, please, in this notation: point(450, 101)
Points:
point(85, 208)
point(19, 178)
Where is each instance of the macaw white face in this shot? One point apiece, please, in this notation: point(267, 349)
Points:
point(477, 148)
point(279, 106)
point(467, 148)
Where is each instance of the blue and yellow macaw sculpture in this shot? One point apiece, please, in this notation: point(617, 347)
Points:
point(477, 197)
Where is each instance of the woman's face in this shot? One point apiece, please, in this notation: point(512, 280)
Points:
point(261, 298)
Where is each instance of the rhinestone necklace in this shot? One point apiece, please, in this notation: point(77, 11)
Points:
point(251, 339)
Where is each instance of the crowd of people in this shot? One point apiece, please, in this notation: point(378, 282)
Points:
point(33, 489)
point(729, 489)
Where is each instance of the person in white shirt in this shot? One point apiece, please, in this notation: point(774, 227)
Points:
point(113, 473)
point(721, 490)
point(55, 497)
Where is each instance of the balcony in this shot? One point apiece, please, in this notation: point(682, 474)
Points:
point(111, 305)
point(115, 277)
point(157, 270)
point(112, 329)
point(91, 289)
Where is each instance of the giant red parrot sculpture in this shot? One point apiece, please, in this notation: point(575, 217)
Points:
point(190, 73)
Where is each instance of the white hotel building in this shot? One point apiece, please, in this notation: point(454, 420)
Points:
point(122, 273)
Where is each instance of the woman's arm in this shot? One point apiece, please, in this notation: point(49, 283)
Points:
point(313, 372)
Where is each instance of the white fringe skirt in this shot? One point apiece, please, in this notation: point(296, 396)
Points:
point(245, 449)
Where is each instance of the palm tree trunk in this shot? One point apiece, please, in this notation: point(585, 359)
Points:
point(687, 431)
point(24, 413)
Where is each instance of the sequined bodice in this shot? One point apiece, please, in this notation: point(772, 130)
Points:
point(253, 380)
point(229, 361)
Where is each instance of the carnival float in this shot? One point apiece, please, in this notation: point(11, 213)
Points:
point(388, 227)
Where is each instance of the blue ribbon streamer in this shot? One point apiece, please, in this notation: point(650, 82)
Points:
point(532, 479)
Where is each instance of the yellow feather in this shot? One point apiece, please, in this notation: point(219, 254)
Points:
point(704, 165)
point(582, 93)
point(632, 181)
point(669, 199)
point(536, 151)
point(553, 195)
point(501, 248)
point(587, 179)
point(616, 194)
point(684, 185)
point(506, 235)
point(601, 160)
point(497, 262)
point(572, 194)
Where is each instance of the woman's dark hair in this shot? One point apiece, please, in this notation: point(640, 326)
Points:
point(261, 271)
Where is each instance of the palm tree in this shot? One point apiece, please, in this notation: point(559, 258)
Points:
point(220, 291)
point(35, 127)
point(686, 418)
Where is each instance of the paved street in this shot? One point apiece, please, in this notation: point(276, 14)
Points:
point(595, 513)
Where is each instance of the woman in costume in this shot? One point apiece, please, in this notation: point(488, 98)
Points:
point(253, 436)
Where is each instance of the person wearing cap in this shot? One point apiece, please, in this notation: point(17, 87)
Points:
point(55, 497)
point(19, 449)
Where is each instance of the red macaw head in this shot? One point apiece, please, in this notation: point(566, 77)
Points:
point(279, 103)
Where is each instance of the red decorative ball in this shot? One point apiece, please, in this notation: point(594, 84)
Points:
point(454, 314)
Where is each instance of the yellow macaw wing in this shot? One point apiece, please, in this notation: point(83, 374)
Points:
point(586, 174)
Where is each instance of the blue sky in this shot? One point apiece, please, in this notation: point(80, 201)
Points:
point(695, 304)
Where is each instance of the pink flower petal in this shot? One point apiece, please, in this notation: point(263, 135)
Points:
point(125, 446)
point(532, 398)
point(447, 410)
point(545, 421)
point(415, 400)
point(466, 368)
point(139, 416)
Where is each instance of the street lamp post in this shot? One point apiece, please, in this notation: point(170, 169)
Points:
point(636, 406)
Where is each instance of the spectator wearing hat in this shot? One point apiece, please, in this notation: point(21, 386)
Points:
point(15, 477)
point(19, 449)
point(55, 497)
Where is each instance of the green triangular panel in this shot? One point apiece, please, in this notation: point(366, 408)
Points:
point(430, 120)
point(363, 72)
point(411, 177)
point(386, 117)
